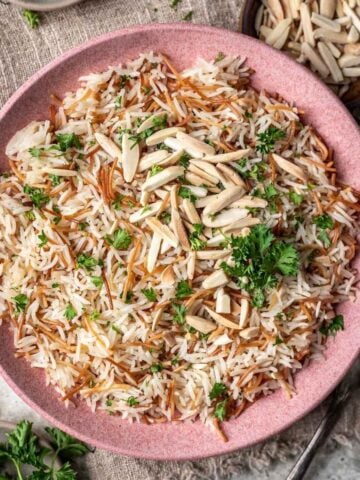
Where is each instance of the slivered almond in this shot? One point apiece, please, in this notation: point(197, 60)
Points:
point(202, 202)
point(130, 158)
point(147, 211)
point(201, 324)
point(249, 332)
point(280, 42)
point(306, 24)
point(207, 167)
point(224, 218)
point(276, 9)
point(62, 172)
point(151, 159)
point(190, 211)
point(281, 28)
point(149, 122)
point(215, 279)
point(327, 8)
point(351, 71)
point(199, 192)
point(244, 312)
point(162, 178)
point(165, 247)
point(168, 276)
point(348, 60)
point(222, 320)
point(211, 254)
point(350, 13)
point(314, 59)
point(157, 317)
point(191, 265)
point(329, 36)
point(330, 62)
point(169, 339)
point(230, 173)
point(144, 198)
point(223, 199)
point(216, 240)
point(352, 49)
point(172, 159)
point(196, 180)
point(176, 221)
point(223, 302)
point(162, 231)
point(161, 135)
point(173, 143)
point(325, 22)
point(248, 221)
point(249, 202)
point(353, 35)
point(289, 167)
point(201, 173)
point(108, 145)
point(194, 147)
point(227, 157)
point(153, 252)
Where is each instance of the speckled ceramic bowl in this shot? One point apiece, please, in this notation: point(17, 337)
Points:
point(275, 72)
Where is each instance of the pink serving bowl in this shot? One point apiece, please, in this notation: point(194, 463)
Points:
point(275, 72)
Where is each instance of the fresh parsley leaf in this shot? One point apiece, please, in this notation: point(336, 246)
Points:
point(278, 341)
point(324, 237)
point(83, 225)
point(55, 180)
point(155, 169)
point(183, 290)
point(160, 122)
point(156, 367)
point(184, 160)
point(218, 390)
point(149, 293)
point(37, 196)
point(70, 312)
point(121, 239)
point(255, 172)
point(23, 446)
point(55, 285)
point(116, 329)
point(195, 241)
point(259, 258)
point(268, 138)
point(175, 360)
point(68, 140)
point(35, 152)
point(220, 411)
point(123, 80)
point(132, 401)
point(180, 312)
point(185, 192)
point(21, 301)
point(30, 215)
point(117, 203)
point(43, 239)
point(87, 262)
point(97, 281)
point(220, 56)
point(296, 198)
point(333, 327)
point(165, 217)
point(118, 101)
point(68, 446)
point(323, 221)
point(32, 18)
point(129, 297)
point(94, 315)
point(248, 114)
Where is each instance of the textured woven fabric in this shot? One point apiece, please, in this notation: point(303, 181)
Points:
point(22, 52)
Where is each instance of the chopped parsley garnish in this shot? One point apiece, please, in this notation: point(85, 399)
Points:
point(324, 237)
point(35, 152)
point(117, 203)
point(185, 192)
point(55, 285)
point(165, 217)
point(70, 312)
point(146, 90)
point(175, 3)
point(248, 114)
point(183, 290)
point(68, 140)
point(268, 138)
point(30, 215)
point(160, 122)
point(155, 169)
point(145, 209)
point(87, 262)
point(97, 281)
point(132, 401)
point(218, 390)
point(278, 341)
point(333, 327)
point(122, 131)
point(94, 315)
point(83, 225)
point(108, 403)
point(184, 160)
point(129, 297)
point(123, 80)
point(32, 18)
point(121, 239)
point(55, 180)
point(220, 411)
point(21, 301)
point(180, 312)
point(255, 172)
point(259, 258)
point(296, 198)
point(149, 293)
point(220, 56)
point(188, 16)
point(118, 101)
point(43, 239)
point(156, 367)
point(37, 196)
point(175, 360)
point(116, 329)
point(323, 221)
point(195, 241)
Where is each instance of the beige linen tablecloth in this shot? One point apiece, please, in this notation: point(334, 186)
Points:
point(22, 52)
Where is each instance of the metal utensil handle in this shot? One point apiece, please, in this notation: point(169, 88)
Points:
point(339, 398)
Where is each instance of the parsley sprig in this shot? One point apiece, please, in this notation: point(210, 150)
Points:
point(267, 139)
point(333, 327)
point(259, 260)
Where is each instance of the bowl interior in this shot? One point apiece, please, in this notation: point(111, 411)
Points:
point(275, 72)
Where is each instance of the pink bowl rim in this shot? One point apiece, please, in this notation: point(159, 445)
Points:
point(335, 379)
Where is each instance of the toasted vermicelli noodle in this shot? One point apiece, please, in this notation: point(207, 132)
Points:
point(119, 224)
